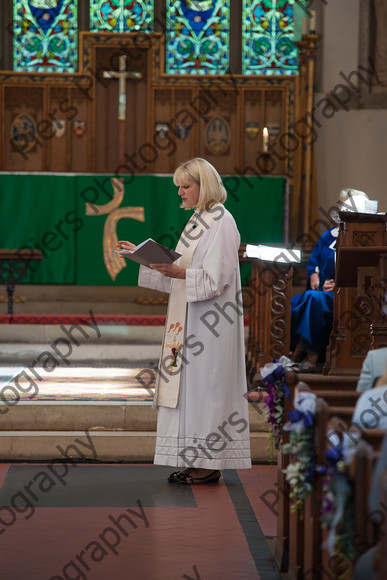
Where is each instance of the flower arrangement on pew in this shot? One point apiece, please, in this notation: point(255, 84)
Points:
point(337, 511)
point(299, 473)
point(273, 376)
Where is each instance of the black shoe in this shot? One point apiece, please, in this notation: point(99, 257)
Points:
point(175, 477)
point(212, 477)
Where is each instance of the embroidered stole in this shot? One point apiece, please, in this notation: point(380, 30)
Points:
point(172, 354)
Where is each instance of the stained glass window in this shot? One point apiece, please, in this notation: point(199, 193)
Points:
point(45, 35)
point(268, 30)
point(121, 15)
point(197, 36)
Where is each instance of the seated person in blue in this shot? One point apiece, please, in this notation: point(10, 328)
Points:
point(312, 311)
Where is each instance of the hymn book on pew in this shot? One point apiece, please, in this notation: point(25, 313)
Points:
point(150, 252)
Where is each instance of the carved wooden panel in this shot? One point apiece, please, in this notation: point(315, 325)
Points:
point(187, 132)
point(29, 155)
point(163, 138)
point(280, 314)
point(269, 332)
point(18, 99)
point(350, 337)
point(363, 239)
point(379, 327)
point(252, 131)
point(61, 111)
point(219, 140)
point(81, 133)
point(88, 102)
point(138, 154)
point(355, 235)
point(274, 118)
point(355, 310)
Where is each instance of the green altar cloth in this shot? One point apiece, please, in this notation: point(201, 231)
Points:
point(48, 212)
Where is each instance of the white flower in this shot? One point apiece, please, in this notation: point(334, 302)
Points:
point(268, 369)
point(286, 362)
point(305, 402)
point(292, 469)
point(271, 367)
point(348, 443)
point(333, 439)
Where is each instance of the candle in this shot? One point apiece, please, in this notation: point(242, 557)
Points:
point(312, 27)
point(304, 26)
point(265, 134)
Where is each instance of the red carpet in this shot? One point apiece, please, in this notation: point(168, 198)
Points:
point(121, 319)
point(85, 524)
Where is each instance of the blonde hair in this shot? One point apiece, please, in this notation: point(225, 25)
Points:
point(207, 178)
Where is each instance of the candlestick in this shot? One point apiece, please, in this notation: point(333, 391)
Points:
point(265, 134)
point(312, 27)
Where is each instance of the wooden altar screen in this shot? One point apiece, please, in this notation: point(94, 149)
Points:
point(74, 118)
point(270, 292)
point(359, 293)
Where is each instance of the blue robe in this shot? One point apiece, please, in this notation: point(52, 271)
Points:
point(312, 311)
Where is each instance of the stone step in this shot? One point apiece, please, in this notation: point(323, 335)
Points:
point(108, 446)
point(103, 354)
point(79, 416)
point(83, 307)
point(64, 299)
point(95, 416)
point(69, 293)
point(110, 334)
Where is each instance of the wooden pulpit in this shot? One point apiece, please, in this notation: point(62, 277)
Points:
point(270, 292)
point(359, 322)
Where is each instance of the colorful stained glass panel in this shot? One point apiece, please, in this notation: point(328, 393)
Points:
point(45, 35)
point(121, 15)
point(268, 34)
point(197, 36)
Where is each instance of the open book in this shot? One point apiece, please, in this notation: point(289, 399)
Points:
point(150, 252)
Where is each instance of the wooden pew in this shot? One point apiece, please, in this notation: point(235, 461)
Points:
point(328, 382)
point(312, 557)
point(364, 460)
point(367, 533)
point(309, 561)
point(305, 530)
point(281, 550)
point(291, 558)
point(338, 398)
point(383, 540)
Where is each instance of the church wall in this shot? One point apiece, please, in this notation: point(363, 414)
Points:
point(351, 152)
point(350, 146)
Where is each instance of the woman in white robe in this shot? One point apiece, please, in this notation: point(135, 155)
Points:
point(206, 429)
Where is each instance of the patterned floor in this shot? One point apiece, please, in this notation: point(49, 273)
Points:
point(125, 522)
